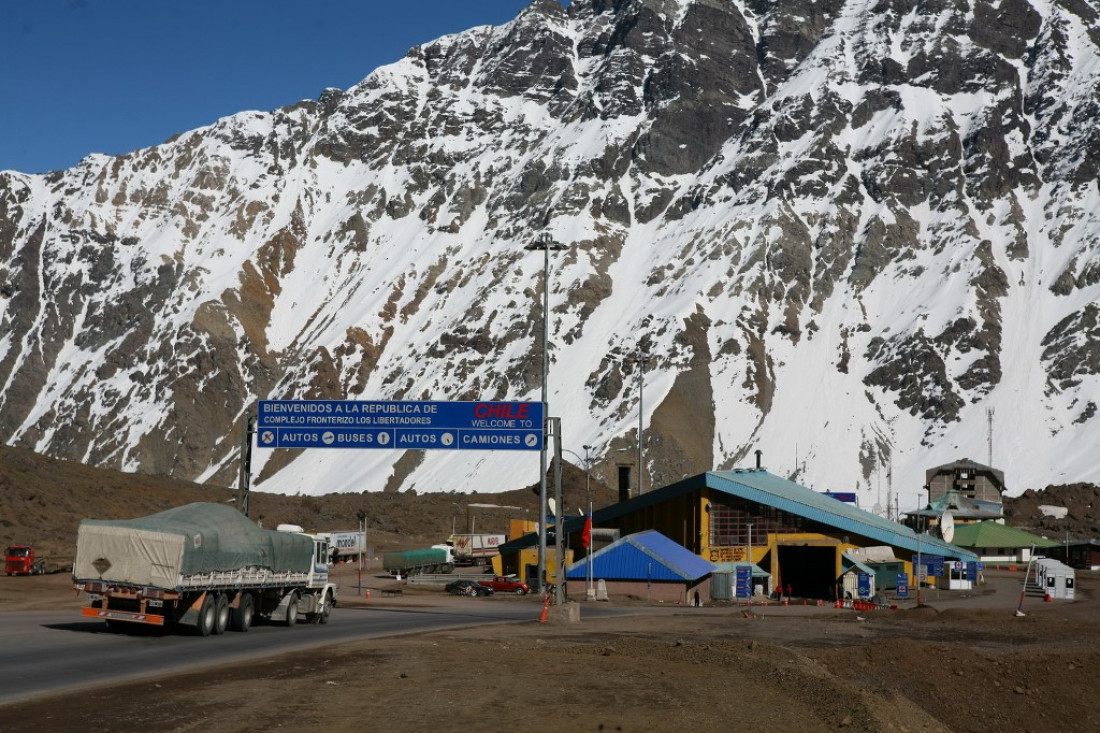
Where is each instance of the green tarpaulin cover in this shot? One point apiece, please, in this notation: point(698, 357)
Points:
point(188, 540)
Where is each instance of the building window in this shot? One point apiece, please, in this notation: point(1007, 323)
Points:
point(729, 523)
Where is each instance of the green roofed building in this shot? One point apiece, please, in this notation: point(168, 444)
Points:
point(995, 542)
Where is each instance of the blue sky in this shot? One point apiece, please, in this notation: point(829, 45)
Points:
point(111, 76)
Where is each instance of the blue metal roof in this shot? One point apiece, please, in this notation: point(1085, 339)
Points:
point(645, 555)
point(848, 562)
point(761, 487)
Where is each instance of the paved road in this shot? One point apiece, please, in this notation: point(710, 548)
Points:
point(49, 652)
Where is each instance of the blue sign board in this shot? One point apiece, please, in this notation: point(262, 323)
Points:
point(972, 571)
point(401, 425)
point(864, 585)
point(903, 585)
point(744, 581)
point(934, 563)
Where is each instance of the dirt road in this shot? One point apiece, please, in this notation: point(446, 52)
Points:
point(960, 664)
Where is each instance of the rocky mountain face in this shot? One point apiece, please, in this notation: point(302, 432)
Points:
point(861, 237)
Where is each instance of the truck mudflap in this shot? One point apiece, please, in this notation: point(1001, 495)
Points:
point(109, 615)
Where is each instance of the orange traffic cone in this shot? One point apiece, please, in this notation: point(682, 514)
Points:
point(368, 593)
point(1048, 599)
point(545, 608)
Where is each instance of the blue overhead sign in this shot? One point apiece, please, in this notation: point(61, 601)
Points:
point(401, 425)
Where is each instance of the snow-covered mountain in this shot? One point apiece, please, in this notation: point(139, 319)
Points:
point(862, 237)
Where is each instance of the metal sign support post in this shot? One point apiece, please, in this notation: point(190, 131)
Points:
point(542, 504)
point(245, 478)
point(544, 244)
point(559, 514)
point(362, 517)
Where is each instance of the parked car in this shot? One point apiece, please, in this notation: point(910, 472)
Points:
point(467, 588)
point(506, 584)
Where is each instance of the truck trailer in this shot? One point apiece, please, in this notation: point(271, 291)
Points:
point(472, 549)
point(434, 559)
point(202, 565)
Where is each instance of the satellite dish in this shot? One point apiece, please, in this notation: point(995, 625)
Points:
point(947, 526)
point(552, 506)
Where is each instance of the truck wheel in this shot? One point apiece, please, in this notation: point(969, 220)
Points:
point(292, 610)
point(240, 618)
point(221, 614)
point(207, 614)
point(322, 618)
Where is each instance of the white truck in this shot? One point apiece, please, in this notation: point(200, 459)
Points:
point(472, 548)
point(347, 545)
point(202, 565)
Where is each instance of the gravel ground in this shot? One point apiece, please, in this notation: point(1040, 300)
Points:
point(961, 662)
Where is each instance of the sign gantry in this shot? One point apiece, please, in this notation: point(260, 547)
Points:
point(424, 425)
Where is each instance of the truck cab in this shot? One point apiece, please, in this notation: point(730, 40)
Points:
point(20, 560)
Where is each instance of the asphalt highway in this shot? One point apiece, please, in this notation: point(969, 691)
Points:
point(48, 652)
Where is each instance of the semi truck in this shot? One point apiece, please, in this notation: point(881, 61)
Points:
point(204, 566)
point(20, 560)
point(434, 559)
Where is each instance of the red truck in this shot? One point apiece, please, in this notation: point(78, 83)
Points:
point(506, 584)
point(19, 560)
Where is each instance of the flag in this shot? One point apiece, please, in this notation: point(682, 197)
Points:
point(586, 533)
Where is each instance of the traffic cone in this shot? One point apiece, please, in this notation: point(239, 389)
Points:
point(368, 593)
point(1048, 599)
point(839, 604)
point(545, 609)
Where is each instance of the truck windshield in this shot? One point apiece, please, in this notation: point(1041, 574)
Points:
point(18, 552)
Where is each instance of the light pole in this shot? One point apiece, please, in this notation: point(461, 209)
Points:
point(640, 358)
point(544, 244)
point(588, 497)
point(587, 461)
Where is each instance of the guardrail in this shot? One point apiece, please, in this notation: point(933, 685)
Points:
point(444, 578)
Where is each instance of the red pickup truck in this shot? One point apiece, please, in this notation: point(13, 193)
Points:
point(19, 560)
point(506, 584)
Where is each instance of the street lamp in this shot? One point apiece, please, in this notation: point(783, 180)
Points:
point(639, 358)
point(587, 462)
point(544, 244)
point(588, 495)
